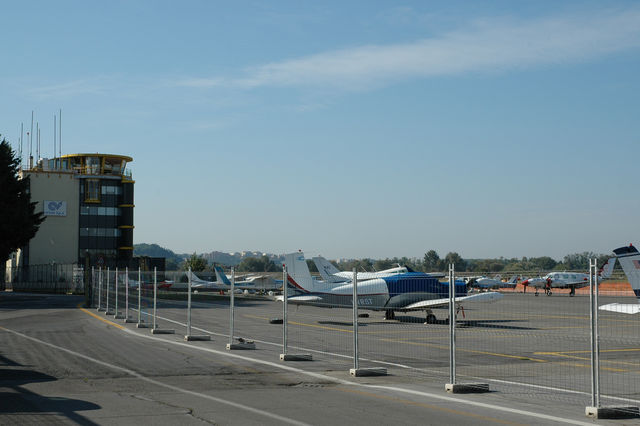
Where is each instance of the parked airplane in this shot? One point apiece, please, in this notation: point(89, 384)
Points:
point(411, 291)
point(330, 273)
point(251, 282)
point(486, 283)
point(198, 283)
point(570, 280)
point(629, 258)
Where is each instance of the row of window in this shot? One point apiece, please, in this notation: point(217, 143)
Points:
point(100, 232)
point(100, 211)
point(98, 252)
point(111, 190)
point(92, 190)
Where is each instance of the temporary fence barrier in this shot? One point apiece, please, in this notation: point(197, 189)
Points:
point(546, 347)
point(48, 278)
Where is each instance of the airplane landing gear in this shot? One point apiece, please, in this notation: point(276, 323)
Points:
point(431, 319)
point(389, 314)
point(572, 292)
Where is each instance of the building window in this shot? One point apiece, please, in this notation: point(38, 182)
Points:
point(92, 191)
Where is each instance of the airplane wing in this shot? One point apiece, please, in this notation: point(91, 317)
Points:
point(434, 303)
point(300, 299)
point(576, 284)
point(623, 308)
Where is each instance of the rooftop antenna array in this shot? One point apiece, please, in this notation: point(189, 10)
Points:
point(54, 139)
point(21, 138)
point(30, 136)
point(60, 133)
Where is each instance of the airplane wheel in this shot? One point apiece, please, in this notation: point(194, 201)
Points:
point(571, 294)
point(431, 319)
point(536, 294)
point(389, 315)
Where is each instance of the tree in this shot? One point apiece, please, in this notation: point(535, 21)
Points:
point(544, 263)
point(18, 220)
point(431, 261)
point(196, 263)
point(456, 259)
point(257, 264)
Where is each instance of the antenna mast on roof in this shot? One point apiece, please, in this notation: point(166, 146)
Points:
point(21, 139)
point(30, 135)
point(54, 140)
point(60, 132)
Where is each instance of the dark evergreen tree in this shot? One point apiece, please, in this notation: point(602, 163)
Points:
point(18, 220)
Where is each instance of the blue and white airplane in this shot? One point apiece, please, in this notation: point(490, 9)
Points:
point(330, 273)
point(629, 259)
point(411, 291)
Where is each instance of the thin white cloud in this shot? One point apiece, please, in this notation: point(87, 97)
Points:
point(484, 46)
point(97, 86)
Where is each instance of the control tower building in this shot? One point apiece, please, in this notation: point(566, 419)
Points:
point(87, 201)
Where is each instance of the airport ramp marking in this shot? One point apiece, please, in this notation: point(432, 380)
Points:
point(156, 382)
point(100, 318)
point(573, 354)
point(520, 357)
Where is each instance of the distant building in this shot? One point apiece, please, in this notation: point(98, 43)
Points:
point(87, 200)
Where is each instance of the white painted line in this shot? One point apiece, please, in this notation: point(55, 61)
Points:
point(376, 387)
point(437, 396)
point(407, 367)
point(213, 333)
point(157, 383)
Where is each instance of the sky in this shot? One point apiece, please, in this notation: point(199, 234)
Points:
point(347, 129)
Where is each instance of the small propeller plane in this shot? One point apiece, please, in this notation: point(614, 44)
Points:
point(410, 291)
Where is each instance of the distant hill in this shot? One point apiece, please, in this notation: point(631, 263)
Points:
point(218, 257)
point(154, 250)
point(233, 259)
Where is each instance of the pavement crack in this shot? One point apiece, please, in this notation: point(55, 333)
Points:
point(185, 410)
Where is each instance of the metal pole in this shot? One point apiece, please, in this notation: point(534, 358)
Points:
point(116, 289)
point(93, 277)
point(139, 296)
point(106, 296)
point(284, 309)
point(355, 319)
point(452, 325)
point(155, 295)
point(232, 304)
point(189, 305)
point(597, 331)
point(592, 327)
point(126, 293)
point(107, 293)
point(99, 284)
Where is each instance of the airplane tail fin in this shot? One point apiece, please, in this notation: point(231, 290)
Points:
point(221, 276)
point(629, 259)
point(298, 271)
point(607, 268)
point(326, 269)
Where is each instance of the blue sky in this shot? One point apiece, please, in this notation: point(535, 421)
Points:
point(365, 129)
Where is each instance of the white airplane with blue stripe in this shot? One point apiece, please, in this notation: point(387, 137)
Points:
point(411, 291)
point(330, 273)
point(629, 259)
